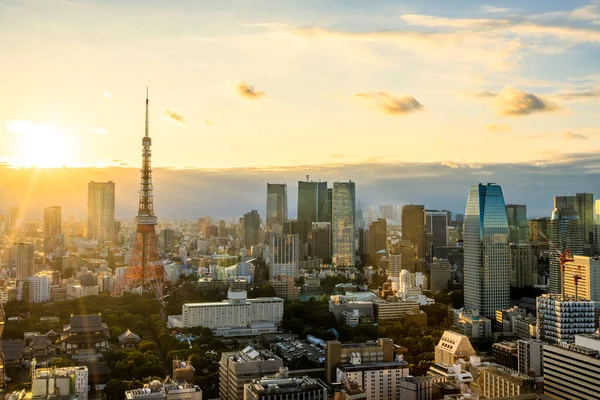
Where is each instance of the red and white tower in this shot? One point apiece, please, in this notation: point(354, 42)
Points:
point(145, 269)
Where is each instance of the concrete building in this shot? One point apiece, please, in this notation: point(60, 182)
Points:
point(24, 256)
point(471, 324)
point(285, 287)
point(238, 368)
point(101, 211)
point(235, 316)
point(343, 230)
point(572, 371)
point(506, 354)
point(439, 275)
point(452, 347)
point(169, 390)
point(394, 308)
point(436, 227)
point(560, 318)
point(530, 360)
point(408, 256)
point(587, 269)
point(167, 239)
point(77, 291)
point(284, 388)
point(379, 380)
point(537, 225)
point(486, 251)
point(523, 264)
point(337, 353)
point(39, 287)
point(49, 382)
point(413, 230)
point(284, 255)
point(498, 382)
point(250, 226)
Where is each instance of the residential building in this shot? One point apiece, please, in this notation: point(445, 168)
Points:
point(168, 390)
point(565, 232)
point(587, 271)
point(101, 211)
point(343, 224)
point(285, 288)
point(560, 318)
point(413, 230)
point(284, 255)
point(486, 251)
point(284, 388)
point(276, 206)
point(24, 257)
point(39, 287)
point(572, 371)
point(408, 256)
point(238, 368)
point(235, 316)
point(394, 264)
point(320, 241)
point(506, 354)
point(85, 337)
point(518, 225)
point(379, 380)
point(336, 353)
point(377, 239)
point(250, 225)
point(439, 275)
point(498, 382)
point(523, 264)
point(50, 382)
point(530, 358)
point(452, 347)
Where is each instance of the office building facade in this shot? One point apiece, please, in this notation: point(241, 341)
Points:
point(101, 211)
point(523, 264)
point(312, 202)
point(560, 318)
point(518, 225)
point(582, 278)
point(276, 205)
point(284, 255)
point(377, 239)
point(413, 230)
point(52, 225)
point(250, 225)
point(565, 232)
point(343, 230)
point(24, 259)
point(320, 241)
point(436, 227)
point(486, 251)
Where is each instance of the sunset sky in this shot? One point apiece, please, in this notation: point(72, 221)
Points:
point(460, 86)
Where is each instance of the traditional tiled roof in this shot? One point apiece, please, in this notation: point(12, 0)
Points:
point(129, 336)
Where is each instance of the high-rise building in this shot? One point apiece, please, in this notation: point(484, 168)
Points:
point(560, 318)
point(13, 215)
point(518, 225)
point(24, 259)
point(413, 229)
point(565, 232)
point(584, 204)
point(523, 264)
point(530, 357)
point(582, 278)
point(439, 275)
point(377, 239)
point(386, 211)
point(39, 287)
point(320, 241)
point(241, 367)
point(312, 202)
point(537, 225)
point(408, 254)
point(101, 211)
point(250, 224)
point(597, 212)
point(343, 224)
point(284, 255)
point(52, 223)
point(328, 206)
point(168, 240)
point(436, 227)
point(276, 205)
point(486, 251)
point(394, 264)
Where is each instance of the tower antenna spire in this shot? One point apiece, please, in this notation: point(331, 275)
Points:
point(147, 124)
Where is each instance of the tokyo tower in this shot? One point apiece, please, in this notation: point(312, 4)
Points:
point(145, 269)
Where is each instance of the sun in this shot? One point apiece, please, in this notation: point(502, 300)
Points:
point(40, 145)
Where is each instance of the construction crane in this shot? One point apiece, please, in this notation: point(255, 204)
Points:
point(563, 258)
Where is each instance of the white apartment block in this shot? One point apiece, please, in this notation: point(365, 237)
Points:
point(380, 381)
point(49, 382)
point(39, 288)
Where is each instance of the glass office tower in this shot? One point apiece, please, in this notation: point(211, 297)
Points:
point(565, 232)
point(486, 251)
point(342, 226)
point(276, 204)
point(518, 224)
point(312, 202)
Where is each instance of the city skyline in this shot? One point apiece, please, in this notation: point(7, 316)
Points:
point(379, 69)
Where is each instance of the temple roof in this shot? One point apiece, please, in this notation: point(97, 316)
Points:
point(128, 335)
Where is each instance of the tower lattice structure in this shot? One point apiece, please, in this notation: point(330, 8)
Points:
point(145, 269)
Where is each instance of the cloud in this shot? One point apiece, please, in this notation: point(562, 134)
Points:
point(174, 116)
point(512, 102)
point(497, 128)
point(107, 94)
point(583, 94)
point(482, 94)
point(247, 91)
point(493, 9)
point(98, 131)
point(570, 135)
point(389, 104)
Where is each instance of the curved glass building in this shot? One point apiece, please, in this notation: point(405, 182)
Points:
point(486, 251)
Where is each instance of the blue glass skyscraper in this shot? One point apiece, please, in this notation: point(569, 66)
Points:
point(486, 251)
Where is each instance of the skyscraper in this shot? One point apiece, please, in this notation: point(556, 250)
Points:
point(24, 260)
point(320, 241)
point(377, 239)
point(413, 229)
point(523, 264)
point(486, 251)
point(250, 229)
point(342, 227)
point(13, 215)
point(518, 225)
point(386, 211)
point(312, 202)
point(284, 255)
point(52, 225)
point(565, 232)
point(101, 211)
point(436, 225)
point(584, 204)
point(536, 225)
point(276, 205)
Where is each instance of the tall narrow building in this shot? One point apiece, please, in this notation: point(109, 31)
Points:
point(52, 226)
point(486, 251)
point(284, 255)
point(101, 211)
point(565, 232)
point(413, 230)
point(436, 226)
point(276, 206)
point(342, 227)
point(518, 225)
point(584, 204)
point(250, 224)
point(312, 202)
point(24, 259)
point(377, 239)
